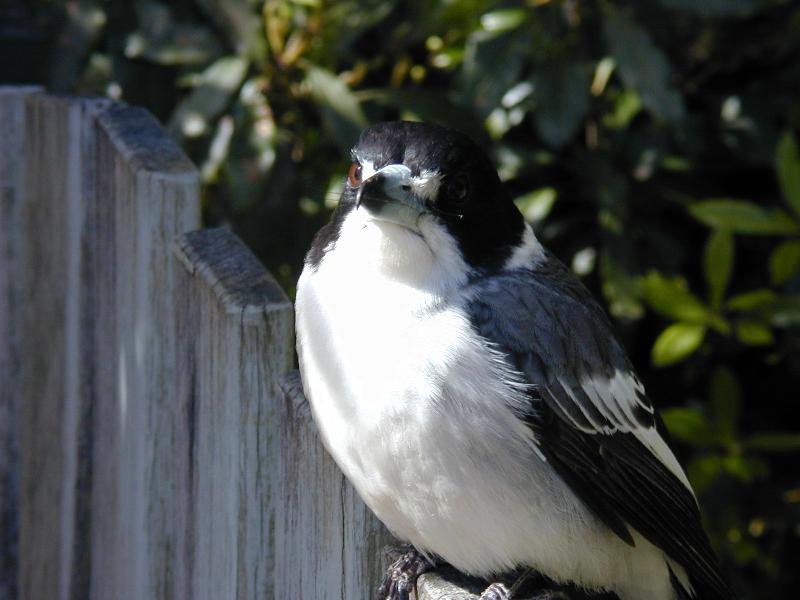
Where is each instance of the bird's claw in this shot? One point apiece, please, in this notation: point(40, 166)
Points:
point(401, 576)
point(496, 591)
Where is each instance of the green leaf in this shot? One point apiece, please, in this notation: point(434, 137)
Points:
point(784, 262)
point(788, 167)
point(704, 471)
point(676, 343)
point(536, 205)
point(646, 69)
point(503, 20)
point(562, 100)
point(340, 108)
point(626, 106)
point(718, 264)
point(688, 425)
point(753, 333)
point(741, 216)
point(773, 442)
point(745, 468)
point(752, 300)
point(726, 401)
point(672, 298)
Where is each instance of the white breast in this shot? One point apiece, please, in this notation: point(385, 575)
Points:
point(419, 414)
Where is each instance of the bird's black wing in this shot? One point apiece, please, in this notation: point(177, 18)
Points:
point(590, 414)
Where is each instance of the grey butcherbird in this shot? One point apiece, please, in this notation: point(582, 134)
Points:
point(473, 392)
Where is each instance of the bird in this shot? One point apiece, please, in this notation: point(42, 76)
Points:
point(473, 391)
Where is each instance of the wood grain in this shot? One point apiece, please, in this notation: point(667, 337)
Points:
point(12, 181)
point(147, 193)
point(328, 544)
point(235, 330)
point(58, 193)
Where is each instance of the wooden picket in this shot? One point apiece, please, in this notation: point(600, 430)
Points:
point(153, 444)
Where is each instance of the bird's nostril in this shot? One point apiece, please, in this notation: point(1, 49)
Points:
point(405, 188)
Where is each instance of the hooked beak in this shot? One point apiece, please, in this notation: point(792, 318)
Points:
point(387, 195)
point(389, 185)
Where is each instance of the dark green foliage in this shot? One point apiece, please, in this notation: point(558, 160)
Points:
point(653, 144)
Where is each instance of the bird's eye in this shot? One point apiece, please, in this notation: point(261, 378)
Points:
point(354, 175)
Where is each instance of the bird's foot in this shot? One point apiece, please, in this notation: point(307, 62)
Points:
point(496, 591)
point(401, 576)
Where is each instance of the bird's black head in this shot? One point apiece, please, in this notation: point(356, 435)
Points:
point(404, 171)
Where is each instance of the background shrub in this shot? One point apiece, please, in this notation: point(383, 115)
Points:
point(652, 144)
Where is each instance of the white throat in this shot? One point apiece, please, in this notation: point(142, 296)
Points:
point(428, 261)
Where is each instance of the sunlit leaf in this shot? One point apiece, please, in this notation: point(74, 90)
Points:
point(718, 264)
point(503, 20)
point(753, 333)
point(627, 105)
point(773, 442)
point(536, 205)
point(676, 343)
point(218, 150)
point(602, 73)
point(583, 261)
point(688, 425)
point(642, 65)
point(741, 216)
point(784, 262)
point(788, 167)
point(671, 297)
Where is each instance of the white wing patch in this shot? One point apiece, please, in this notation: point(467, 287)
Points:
point(615, 399)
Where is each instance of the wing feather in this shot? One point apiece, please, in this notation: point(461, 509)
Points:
point(590, 414)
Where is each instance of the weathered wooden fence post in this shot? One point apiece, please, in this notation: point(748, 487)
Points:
point(54, 371)
point(146, 195)
point(105, 194)
point(235, 325)
point(328, 544)
point(146, 452)
point(12, 138)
